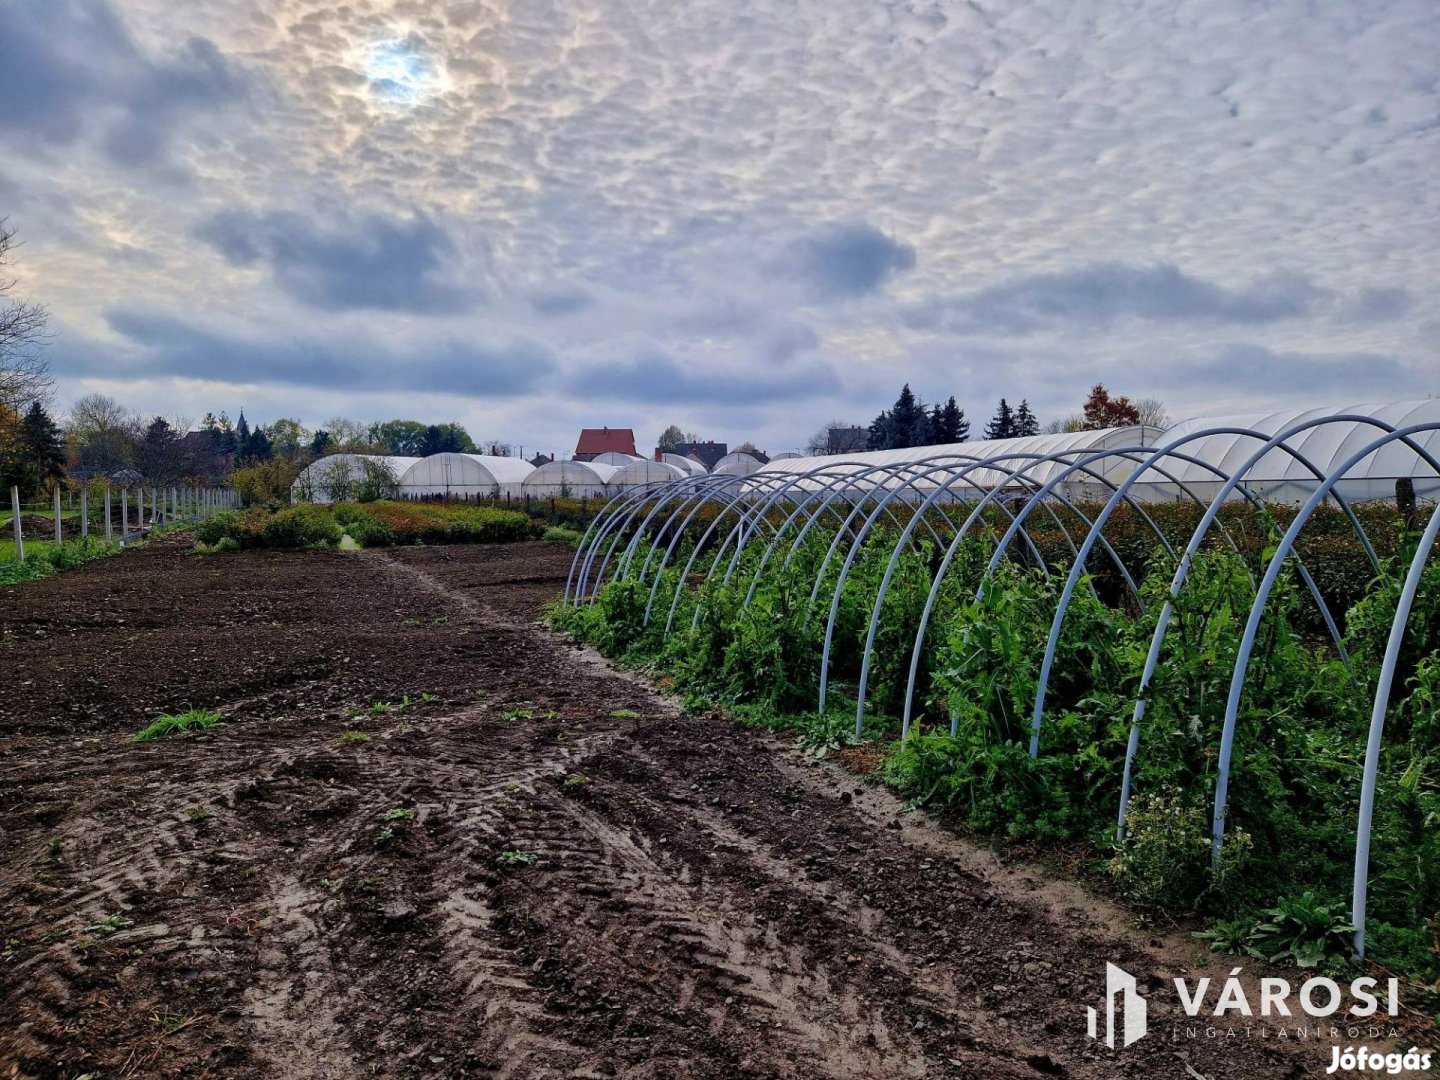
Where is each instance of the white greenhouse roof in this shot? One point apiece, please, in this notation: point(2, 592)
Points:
point(1326, 446)
point(1076, 442)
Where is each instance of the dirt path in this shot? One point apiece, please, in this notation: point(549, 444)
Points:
point(536, 868)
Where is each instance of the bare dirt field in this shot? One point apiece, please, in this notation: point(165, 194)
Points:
point(537, 867)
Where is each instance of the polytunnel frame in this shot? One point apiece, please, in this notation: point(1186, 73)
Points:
point(1158, 454)
point(1039, 497)
point(1378, 711)
point(784, 479)
point(747, 485)
point(619, 520)
point(601, 523)
point(828, 494)
point(1272, 573)
point(1235, 482)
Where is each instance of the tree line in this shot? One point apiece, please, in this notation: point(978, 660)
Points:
point(911, 422)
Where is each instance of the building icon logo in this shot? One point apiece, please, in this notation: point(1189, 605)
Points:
point(1119, 983)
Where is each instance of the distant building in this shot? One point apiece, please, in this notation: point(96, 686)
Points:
point(542, 459)
point(596, 441)
point(847, 440)
point(707, 453)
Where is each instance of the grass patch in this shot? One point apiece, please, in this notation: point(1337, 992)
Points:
point(178, 724)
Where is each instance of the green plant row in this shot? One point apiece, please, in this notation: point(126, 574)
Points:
point(1299, 744)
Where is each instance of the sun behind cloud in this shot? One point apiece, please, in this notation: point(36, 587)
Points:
point(402, 72)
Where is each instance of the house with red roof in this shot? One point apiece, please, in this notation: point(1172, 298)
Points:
point(596, 441)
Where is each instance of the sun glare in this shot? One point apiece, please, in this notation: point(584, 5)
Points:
point(400, 72)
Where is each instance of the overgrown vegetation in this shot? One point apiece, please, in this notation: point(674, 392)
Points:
point(373, 524)
point(1299, 740)
point(45, 558)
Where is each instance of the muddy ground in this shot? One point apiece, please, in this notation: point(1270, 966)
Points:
point(536, 867)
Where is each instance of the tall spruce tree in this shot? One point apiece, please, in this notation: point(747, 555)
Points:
point(1003, 424)
point(42, 446)
point(1026, 422)
point(948, 424)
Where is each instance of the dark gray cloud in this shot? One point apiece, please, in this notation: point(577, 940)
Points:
point(1258, 370)
point(1377, 305)
point(69, 67)
point(843, 261)
point(1104, 293)
point(657, 379)
point(169, 347)
point(369, 262)
point(557, 303)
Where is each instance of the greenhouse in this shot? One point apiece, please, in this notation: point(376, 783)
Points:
point(643, 473)
point(569, 480)
point(1015, 463)
point(464, 476)
point(691, 466)
point(616, 458)
point(345, 477)
point(737, 463)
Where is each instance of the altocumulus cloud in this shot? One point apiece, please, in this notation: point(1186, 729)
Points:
point(841, 262)
point(366, 262)
point(1104, 293)
point(168, 347)
point(69, 69)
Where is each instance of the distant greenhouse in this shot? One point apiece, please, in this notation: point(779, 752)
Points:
point(347, 477)
point(464, 476)
point(570, 480)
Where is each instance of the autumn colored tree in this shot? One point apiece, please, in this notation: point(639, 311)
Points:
point(1104, 411)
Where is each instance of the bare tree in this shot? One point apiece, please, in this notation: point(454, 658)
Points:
point(1153, 412)
point(836, 437)
point(1073, 422)
point(24, 370)
point(102, 434)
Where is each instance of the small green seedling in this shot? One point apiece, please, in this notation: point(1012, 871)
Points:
point(198, 815)
point(399, 814)
point(428, 697)
point(178, 724)
point(574, 783)
point(355, 736)
point(518, 858)
point(520, 714)
point(380, 708)
point(109, 925)
point(623, 714)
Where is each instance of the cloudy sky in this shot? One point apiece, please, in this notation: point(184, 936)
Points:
point(745, 216)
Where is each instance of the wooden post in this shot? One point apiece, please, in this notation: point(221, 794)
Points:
point(59, 534)
point(19, 530)
point(85, 511)
point(109, 525)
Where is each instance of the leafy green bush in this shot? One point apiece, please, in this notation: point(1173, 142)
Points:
point(301, 526)
point(1165, 858)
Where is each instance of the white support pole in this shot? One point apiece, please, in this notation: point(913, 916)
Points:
point(109, 525)
point(59, 535)
point(154, 507)
point(19, 529)
point(85, 511)
point(124, 513)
